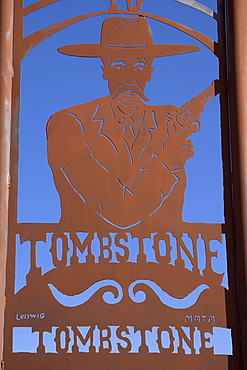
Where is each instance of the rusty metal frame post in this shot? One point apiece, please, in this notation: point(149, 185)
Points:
point(4, 191)
point(6, 73)
point(237, 72)
point(234, 362)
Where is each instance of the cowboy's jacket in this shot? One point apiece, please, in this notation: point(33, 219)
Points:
point(115, 168)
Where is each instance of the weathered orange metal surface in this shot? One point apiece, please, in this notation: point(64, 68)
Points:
point(119, 168)
point(6, 74)
point(237, 54)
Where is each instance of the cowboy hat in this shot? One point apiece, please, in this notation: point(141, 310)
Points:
point(126, 37)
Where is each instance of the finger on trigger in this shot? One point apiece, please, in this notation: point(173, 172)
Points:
point(188, 116)
point(183, 108)
point(184, 112)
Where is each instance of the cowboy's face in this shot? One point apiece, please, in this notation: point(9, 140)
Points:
point(127, 78)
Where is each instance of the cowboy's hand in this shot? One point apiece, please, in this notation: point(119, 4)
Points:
point(190, 112)
point(187, 116)
point(176, 148)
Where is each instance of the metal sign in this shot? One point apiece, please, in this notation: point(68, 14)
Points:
point(123, 279)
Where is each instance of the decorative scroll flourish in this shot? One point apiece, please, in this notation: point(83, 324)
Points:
point(138, 297)
point(81, 298)
point(165, 298)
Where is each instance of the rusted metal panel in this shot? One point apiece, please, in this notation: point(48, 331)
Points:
point(237, 70)
point(6, 73)
point(132, 284)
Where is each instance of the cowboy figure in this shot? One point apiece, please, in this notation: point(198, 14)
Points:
point(117, 160)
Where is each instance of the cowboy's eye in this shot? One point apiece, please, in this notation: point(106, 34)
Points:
point(118, 66)
point(139, 67)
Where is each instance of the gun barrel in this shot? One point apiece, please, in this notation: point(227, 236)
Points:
point(190, 112)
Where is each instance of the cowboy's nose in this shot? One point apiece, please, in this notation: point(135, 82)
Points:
point(129, 80)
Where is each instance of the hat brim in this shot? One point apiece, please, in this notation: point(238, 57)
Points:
point(99, 50)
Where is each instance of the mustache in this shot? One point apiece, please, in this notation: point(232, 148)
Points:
point(134, 88)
